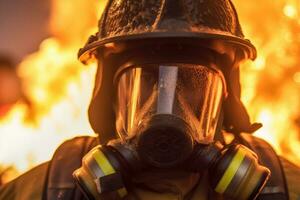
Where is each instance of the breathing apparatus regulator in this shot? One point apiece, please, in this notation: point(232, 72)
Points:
point(234, 171)
point(167, 116)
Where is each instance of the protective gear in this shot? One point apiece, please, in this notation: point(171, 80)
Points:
point(143, 119)
point(165, 109)
point(234, 171)
point(127, 20)
point(173, 36)
point(168, 61)
point(53, 180)
point(181, 92)
point(127, 28)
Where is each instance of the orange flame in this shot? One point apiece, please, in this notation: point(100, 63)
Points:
point(271, 85)
point(59, 87)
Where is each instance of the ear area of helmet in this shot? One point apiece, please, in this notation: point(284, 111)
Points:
point(230, 55)
point(223, 48)
point(95, 53)
point(113, 48)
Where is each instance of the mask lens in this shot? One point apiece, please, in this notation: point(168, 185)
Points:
point(190, 92)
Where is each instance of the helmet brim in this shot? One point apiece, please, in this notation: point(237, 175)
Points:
point(86, 53)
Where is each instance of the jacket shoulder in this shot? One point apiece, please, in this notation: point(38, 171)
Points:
point(28, 186)
point(51, 180)
point(66, 159)
point(292, 174)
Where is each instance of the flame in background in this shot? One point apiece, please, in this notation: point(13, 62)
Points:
point(58, 87)
point(271, 84)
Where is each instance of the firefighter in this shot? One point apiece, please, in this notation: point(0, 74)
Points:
point(167, 95)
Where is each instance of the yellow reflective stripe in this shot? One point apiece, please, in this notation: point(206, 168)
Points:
point(122, 192)
point(103, 162)
point(230, 171)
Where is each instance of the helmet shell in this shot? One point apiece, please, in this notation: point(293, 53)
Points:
point(125, 20)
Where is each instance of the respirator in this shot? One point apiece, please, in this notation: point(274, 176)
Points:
point(166, 118)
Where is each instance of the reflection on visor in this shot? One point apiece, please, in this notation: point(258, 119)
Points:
point(167, 82)
point(190, 92)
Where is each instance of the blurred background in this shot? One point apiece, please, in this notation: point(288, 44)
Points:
point(45, 91)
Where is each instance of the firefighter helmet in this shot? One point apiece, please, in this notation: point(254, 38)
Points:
point(127, 20)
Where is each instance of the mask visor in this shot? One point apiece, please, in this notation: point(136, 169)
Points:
point(192, 93)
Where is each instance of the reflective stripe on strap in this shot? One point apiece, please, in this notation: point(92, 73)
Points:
point(103, 163)
point(107, 168)
point(230, 171)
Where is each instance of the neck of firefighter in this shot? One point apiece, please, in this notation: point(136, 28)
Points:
point(171, 183)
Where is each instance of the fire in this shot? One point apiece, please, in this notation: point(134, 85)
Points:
point(58, 87)
point(290, 11)
point(271, 84)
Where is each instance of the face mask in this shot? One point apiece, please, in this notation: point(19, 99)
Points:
point(165, 109)
point(166, 118)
